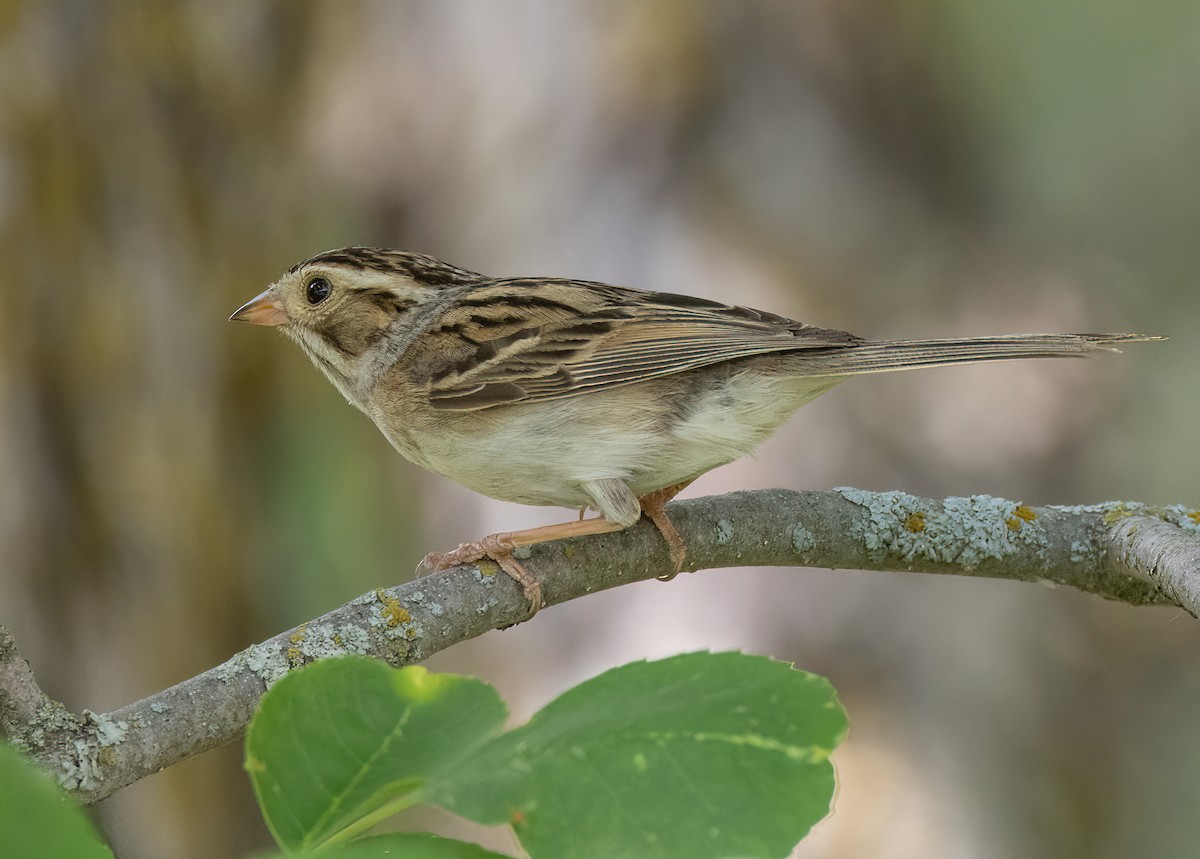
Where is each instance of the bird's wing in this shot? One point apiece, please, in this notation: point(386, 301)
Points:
point(527, 340)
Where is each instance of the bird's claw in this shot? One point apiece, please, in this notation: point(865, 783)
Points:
point(499, 548)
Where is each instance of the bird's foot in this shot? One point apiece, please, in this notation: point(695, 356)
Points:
point(499, 548)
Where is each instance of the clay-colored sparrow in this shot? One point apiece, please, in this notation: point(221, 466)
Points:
point(573, 393)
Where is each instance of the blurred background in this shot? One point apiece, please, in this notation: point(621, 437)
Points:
point(174, 488)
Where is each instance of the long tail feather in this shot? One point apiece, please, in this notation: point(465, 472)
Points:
point(883, 356)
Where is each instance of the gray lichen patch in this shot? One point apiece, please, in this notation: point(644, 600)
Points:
point(389, 617)
point(1178, 515)
point(267, 661)
point(1114, 511)
point(960, 531)
point(82, 771)
point(803, 540)
point(323, 640)
point(724, 529)
point(1084, 552)
point(52, 718)
point(1185, 517)
point(485, 574)
point(108, 731)
point(83, 768)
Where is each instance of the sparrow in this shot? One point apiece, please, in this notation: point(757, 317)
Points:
point(573, 393)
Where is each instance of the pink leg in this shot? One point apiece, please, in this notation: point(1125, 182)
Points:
point(654, 508)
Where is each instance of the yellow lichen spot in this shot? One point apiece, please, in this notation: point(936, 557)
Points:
point(1116, 514)
point(1195, 516)
point(391, 609)
point(488, 567)
point(915, 522)
point(294, 654)
point(1021, 515)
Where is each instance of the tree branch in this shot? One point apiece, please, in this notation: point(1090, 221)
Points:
point(1161, 553)
point(1129, 552)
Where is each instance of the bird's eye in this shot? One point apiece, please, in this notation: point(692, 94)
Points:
point(318, 290)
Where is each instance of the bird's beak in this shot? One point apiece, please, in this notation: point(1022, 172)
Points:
point(263, 309)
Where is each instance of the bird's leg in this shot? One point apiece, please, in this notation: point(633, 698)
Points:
point(499, 547)
point(654, 508)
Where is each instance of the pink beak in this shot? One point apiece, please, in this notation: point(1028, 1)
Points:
point(263, 309)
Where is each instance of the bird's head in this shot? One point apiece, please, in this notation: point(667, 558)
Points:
point(344, 306)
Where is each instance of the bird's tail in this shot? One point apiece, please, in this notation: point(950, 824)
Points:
point(883, 356)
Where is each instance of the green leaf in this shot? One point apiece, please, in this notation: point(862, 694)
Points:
point(344, 743)
point(697, 756)
point(37, 819)
point(406, 845)
point(700, 755)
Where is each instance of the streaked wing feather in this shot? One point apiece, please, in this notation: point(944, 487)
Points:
point(584, 337)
